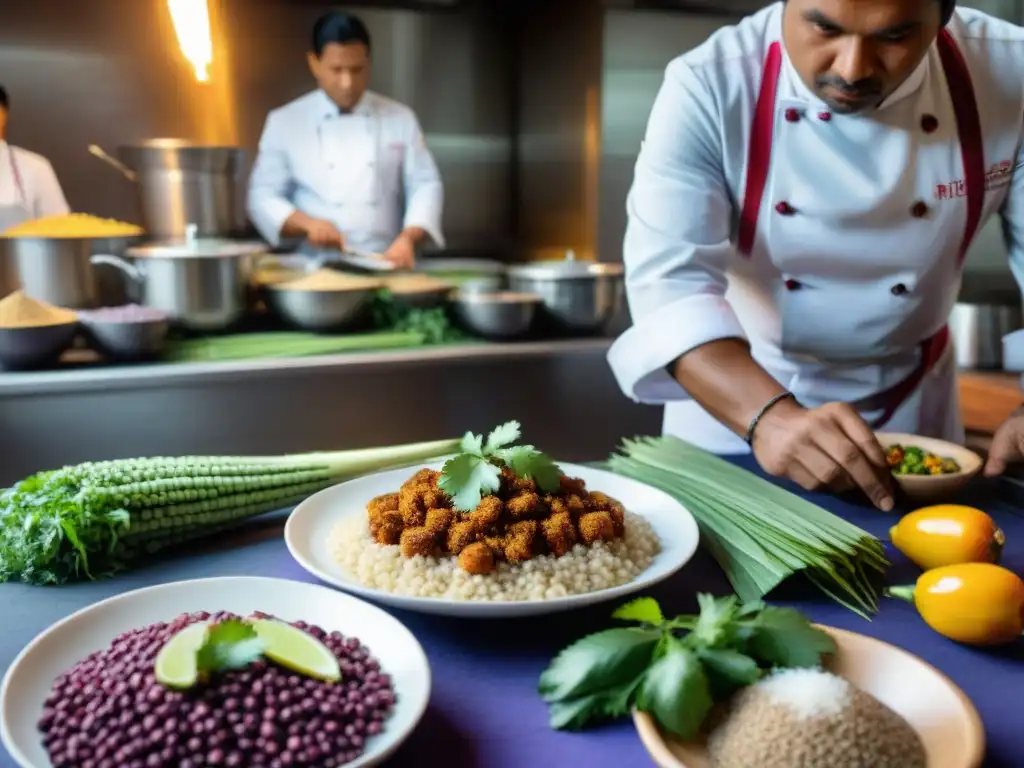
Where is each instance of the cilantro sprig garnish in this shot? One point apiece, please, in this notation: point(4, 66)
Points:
point(476, 471)
point(229, 645)
point(676, 669)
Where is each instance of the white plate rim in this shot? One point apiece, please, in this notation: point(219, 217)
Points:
point(491, 608)
point(399, 738)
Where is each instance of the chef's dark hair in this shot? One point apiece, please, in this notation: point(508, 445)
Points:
point(339, 27)
point(3, 97)
point(948, 7)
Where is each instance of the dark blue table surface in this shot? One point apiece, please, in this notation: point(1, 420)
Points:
point(484, 711)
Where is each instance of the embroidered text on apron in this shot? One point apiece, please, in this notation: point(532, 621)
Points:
point(759, 156)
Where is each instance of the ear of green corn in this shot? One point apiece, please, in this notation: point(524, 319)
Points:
point(94, 519)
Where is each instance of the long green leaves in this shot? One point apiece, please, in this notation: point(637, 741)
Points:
point(758, 532)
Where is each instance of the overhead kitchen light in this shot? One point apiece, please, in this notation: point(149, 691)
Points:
point(191, 19)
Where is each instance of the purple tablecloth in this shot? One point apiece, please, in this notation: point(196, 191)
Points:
point(485, 712)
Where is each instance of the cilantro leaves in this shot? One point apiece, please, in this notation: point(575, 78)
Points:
point(676, 677)
point(229, 645)
point(476, 471)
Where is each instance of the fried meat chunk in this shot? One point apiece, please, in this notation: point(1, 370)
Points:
point(488, 513)
point(519, 541)
point(461, 535)
point(596, 526)
point(559, 533)
point(525, 505)
point(477, 558)
point(418, 540)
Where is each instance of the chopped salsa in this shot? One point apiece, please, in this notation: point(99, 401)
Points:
point(910, 460)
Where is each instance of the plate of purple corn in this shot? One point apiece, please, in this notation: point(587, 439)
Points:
point(88, 691)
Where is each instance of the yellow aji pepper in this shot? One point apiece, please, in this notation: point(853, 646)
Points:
point(971, 603)
point(947, 534)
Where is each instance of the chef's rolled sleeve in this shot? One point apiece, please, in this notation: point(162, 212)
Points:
point(677, 242)
point(424, 190)
point(270, 183)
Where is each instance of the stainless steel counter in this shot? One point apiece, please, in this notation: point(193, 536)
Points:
point(562, 392)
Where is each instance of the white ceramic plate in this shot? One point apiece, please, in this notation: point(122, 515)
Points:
point(942, 715)
point(27, 682)
point(310, 525)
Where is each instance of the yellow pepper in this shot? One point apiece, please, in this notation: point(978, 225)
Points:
point(971, 603)
point(947, 534)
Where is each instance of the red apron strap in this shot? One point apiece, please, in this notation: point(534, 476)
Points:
point(968, 125)
point(891, 399)
point(759, 153)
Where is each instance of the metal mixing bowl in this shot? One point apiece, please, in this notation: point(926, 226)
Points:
point(497, 315)
point(135, 340)
point(318, 311)
point(578, 296)
point(34, 348)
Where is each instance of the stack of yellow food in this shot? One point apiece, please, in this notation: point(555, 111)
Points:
point(21, 311)
point(73, 225)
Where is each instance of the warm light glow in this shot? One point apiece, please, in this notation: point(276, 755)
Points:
point(191, 19)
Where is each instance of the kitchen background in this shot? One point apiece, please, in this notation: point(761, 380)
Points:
point(534, 111)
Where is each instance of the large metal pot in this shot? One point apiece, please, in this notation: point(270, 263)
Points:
point(978, 331)
point(199, 283)
point(59, 270)
point(180, 183)
point(578, 296)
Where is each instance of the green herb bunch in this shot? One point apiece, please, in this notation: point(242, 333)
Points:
point(676, 669)
point(433, 323)
point(476, 471)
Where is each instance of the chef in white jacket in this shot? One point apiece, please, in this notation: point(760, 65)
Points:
point(344, 167)
point(809, 184)
point(28, 186)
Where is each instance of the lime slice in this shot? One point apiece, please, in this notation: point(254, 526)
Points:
point(176, 665)
point(294, 649)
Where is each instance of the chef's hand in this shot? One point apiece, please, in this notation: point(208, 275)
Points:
point(827, 447)
point(1007, 445)
point(402, 252)
point(323, 234)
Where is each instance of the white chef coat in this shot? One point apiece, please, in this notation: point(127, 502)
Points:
point(836, 299)
point(29, 188)
point(369, 171)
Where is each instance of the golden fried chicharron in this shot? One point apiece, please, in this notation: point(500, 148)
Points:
point(516, 524)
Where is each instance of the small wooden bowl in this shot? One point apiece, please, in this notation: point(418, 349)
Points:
point(933, 487)
point(945, 719)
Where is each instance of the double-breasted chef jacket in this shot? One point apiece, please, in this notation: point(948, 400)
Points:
point(369, 171)
point(833, 243)
point(29, 188)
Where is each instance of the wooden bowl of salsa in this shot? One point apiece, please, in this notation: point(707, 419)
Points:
point(927, 469)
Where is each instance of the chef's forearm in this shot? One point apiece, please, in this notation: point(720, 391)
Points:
point(727, 382)
point(416, 234)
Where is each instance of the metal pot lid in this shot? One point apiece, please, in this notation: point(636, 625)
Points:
point(199, 248)
point(568, 269)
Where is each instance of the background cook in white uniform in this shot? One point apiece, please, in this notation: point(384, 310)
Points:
point(28, 186)
point(875, 277)
point(343, 166)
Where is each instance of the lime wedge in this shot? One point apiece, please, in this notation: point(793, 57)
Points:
point(294, 649)
point(176, 665)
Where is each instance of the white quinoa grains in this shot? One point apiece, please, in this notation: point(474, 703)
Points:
point(584, 569)
point(807, 718)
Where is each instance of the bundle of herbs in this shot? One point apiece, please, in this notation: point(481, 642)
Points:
point(759, 533)
point(678, 669)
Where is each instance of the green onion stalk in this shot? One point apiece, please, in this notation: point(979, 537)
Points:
point(93, 520)
point(759, 533)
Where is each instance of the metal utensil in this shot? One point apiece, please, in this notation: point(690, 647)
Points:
point(61, 271)
point(499, 315)
point(978, 331)
point(200, 284)
point(318, 311)
point(136, 340)
point(578, 296)
point(97, 151)
point(180, 183)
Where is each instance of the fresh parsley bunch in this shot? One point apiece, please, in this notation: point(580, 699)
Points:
point(476, 471)
point(676, 669)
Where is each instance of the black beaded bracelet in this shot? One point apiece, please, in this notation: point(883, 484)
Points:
point(764, 409)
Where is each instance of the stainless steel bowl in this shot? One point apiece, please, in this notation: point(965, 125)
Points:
point(33, 348)
point(578, 296)
point(319, 311)
point(498, 315)
point(136, 340)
